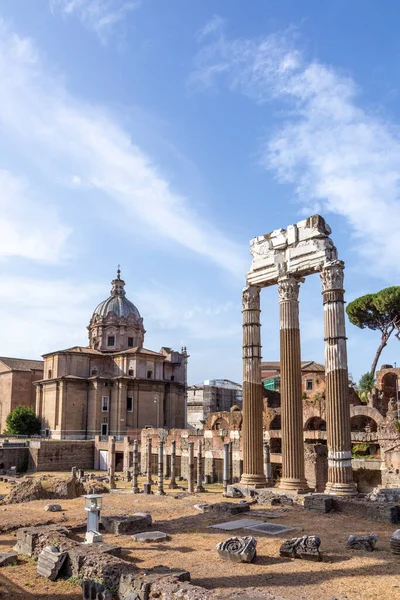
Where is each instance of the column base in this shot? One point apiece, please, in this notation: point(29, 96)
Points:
point(147, 488)
point(298, 486)
point(199, 489)
point(341, 489)
point(253, 481)
point(173, 486)
point(135, 490)
point(160, 493)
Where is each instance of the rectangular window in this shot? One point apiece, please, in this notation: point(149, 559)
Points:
point(130, 342)
point(129, 404)
point(309, 385)
point(104, 404)
point(111, 340)
point(104, 429)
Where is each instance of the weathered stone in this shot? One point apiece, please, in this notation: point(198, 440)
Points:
point(29, 538)
point(238, 549)
point(272, 498)
point(94, 591)
point(362, 542)
point(306, 547)
point(150, 536)
point(125, 525)
point(322, 503)
point(93, 537)
point(229, 508)
point(142, 582)
point(395, 542)
point(8, 558)
point(53, 507)
point(50, 562)
point(233, 492)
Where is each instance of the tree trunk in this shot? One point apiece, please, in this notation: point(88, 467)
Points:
point(384, 340)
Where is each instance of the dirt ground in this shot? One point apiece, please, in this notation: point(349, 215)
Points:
point(343, 574)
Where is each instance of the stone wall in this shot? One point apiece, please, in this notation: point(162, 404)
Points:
point(14, 456)
point(52, 455)
point(316, 466)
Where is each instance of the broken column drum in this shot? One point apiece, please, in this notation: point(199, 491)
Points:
point(293, 472)
point(340, 474)
point(252, 404)
point(160, 488)
point(191, 467)
point(135, 472)
point(285, 257)
point(267, 463)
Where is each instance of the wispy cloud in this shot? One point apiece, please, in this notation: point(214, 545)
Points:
point(29, 228)
point(88, 148)
point(101, 16)
point(339, 156)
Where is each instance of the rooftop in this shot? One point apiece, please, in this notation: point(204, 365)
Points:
point(306, 365)
point(22, 364)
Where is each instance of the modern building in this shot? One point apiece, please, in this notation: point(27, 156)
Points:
point(17, 377)
point(114, 386)
point(213, 395)
point(312, 377)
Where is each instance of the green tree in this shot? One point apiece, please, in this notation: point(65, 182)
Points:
point(367, 382)
point(22, 421)
point(378, 312)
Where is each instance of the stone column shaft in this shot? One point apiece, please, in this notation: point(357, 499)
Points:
point(135, 472)
point(191, 467)
point(225, 479)
point(267, 464)
point(147, 485)
point(293, 474)
point(172, 484)
point(252, 408)
point(160, 488)
point(340, 474)
point(200, 475)
point(111, 461)
point(230, 462)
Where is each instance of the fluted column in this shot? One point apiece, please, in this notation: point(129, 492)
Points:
point(293, 477)
point(147, 485)
point(135, 472)
point(225, 475)
point(340, 474)
point(267, 464)
point(252, 408)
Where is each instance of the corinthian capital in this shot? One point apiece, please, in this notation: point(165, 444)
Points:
point(251, 298)
point(332, 276)
point(288, 289)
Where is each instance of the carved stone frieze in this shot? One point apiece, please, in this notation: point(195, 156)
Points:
point(251, 298)
point(332, 276)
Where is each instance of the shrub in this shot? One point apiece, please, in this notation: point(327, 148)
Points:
point(22, 421)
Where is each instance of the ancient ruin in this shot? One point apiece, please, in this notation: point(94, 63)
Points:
point(284, 258)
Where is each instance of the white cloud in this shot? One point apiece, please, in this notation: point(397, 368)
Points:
point(29, 228)
point(86, 146)
point(340, 157)
point(101, 16)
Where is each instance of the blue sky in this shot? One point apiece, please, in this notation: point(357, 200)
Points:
point(164, 136)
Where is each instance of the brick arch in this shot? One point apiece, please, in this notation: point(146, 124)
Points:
point(311, 414)
point(367, 411)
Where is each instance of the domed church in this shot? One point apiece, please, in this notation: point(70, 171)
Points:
point(113, 386)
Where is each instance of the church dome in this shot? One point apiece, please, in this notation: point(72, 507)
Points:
point(117, 302)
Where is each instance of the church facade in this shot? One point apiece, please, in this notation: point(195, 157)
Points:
point(113, 386)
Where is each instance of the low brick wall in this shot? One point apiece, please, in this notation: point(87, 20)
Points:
point(53, 455)
point(14, 457)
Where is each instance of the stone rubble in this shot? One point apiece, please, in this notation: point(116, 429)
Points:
point(8, 558)
point(306, 547)
point(94, 591)
point(150, 536)
point(53, 507)
point(125, 525)
point(362, 542)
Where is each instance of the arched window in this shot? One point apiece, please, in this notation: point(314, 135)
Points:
point(149, 374)
point(94, 371)
point(130, 372)
point(49, 374)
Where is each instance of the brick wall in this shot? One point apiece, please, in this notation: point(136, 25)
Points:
point(52, 455)
point(14, 457)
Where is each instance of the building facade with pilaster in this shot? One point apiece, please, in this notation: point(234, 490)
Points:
point(113, 386)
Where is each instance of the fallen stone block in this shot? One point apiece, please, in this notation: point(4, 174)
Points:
point(230, 508)
point(306, 547)
point(362, 542)
point(50, 562)
point(150, 536)
point(322, 503)
point(238, 549)
point(8, 558)
point(124, 525)
point(83, 558)
point(53, 507)
point(272, 498)
point(142, 582)
point(395, 542)
point(94, 591)
point(234, 492)
point(29, 539)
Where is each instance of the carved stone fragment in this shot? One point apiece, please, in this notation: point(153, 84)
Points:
point(395, 542)
point(306, 547)
point(94, 591)
point(238, 549)
point(362, 542)
point(50, 562)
